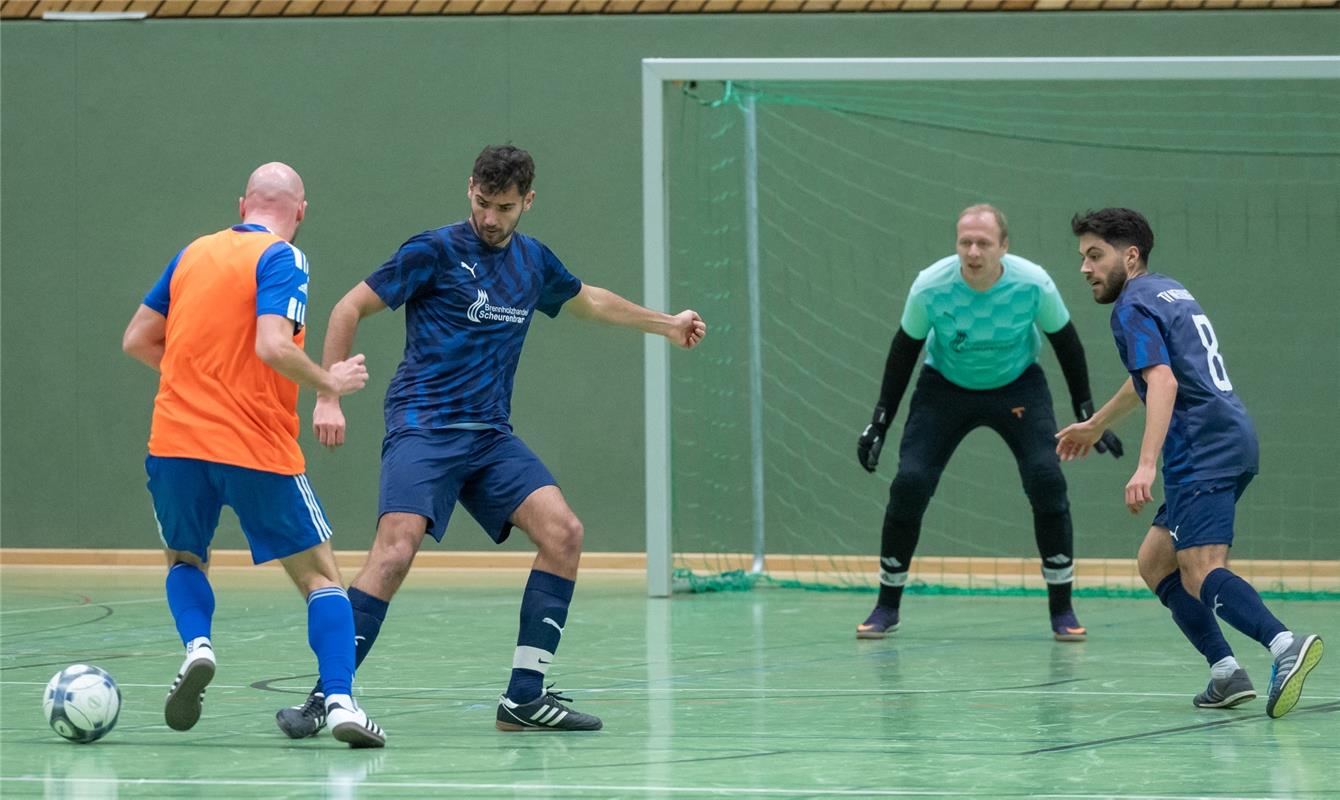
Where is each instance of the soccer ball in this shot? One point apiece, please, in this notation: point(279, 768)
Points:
point(82, 703)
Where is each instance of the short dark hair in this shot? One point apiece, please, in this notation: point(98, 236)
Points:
point(1119, 227)
point(502, 165)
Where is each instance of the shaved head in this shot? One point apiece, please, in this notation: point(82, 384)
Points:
point(274, 183)
point(274, 197)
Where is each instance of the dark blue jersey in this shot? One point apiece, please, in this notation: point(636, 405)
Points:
point(1157, 321)
point(467, 309)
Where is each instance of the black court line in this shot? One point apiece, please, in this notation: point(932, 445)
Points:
point(264, 684)
point(19, 635)
point(1324, 708)
point(267, 685)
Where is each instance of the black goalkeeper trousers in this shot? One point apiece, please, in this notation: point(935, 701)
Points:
point(940, 414)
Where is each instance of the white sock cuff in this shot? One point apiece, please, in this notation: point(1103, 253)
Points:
point(328, 591)
point(1224, 667)
point(532, 658)
point(344, 700)
point(894, 579)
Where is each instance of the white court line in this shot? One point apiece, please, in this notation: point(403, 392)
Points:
point(90, 604)
point(467, 692)
point(595, 787)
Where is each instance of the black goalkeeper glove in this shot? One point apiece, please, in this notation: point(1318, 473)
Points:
point(872, 440)
point(1108, 442)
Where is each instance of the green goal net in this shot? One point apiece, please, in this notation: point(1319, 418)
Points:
point(800, 211)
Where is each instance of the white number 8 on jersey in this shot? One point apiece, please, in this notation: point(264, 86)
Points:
point(1218, 372)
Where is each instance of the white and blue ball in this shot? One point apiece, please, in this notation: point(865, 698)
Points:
point(82, 703)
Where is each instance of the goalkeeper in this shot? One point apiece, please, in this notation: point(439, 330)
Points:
point(978, 313)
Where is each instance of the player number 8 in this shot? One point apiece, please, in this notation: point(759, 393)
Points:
point(1218, 372)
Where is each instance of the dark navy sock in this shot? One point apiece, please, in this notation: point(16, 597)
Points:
point(1058, 598)
point(191, 601)
point(369, 614)
point(544, 612)
point(1195, 620)
point(890, 596)
point(898, 541)
point(330, 632)
point(1055, 537)
point(1238, 604)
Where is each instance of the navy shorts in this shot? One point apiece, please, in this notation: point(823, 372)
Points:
point(1202, 512)
point(426, 471)
point(280, 514)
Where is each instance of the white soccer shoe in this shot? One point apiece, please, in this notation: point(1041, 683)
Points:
point(187, 695)
point(353, 727)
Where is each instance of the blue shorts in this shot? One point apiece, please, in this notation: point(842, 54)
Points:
point(1202, 512)
point(426, 471)
point(280, 514)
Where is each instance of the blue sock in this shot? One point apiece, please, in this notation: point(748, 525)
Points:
point(191, 601)
point(1194, 618)
point(369, 614)
point(330, 632)
point(544, 612)
point(1238, 604)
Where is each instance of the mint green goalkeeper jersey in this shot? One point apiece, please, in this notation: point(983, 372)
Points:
point(983, 340)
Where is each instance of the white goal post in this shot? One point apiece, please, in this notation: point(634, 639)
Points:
point(655, 217)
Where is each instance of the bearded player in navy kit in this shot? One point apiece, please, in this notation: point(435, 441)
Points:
point(1209, 450)
point(469, 292)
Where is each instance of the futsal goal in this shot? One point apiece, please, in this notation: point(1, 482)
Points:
point(792, 201)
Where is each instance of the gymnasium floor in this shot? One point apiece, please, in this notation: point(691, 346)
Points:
point(762, 694)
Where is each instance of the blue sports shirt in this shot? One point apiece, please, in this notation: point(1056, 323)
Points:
point(281, 280)
point(467, 309)
point(1157, 321)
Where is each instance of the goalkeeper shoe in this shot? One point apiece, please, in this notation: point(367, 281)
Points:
point(881, 622)
point(1066, 628)
point(187, 695)
point(305, 720)
point(545, 713)
point(1226, 692)
point(1288, 673)
point(350, 724)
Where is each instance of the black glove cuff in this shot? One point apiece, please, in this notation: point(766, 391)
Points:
point(1083, 410)
point(880, 419)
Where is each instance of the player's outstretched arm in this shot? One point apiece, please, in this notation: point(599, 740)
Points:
point(1160, 396)
point(328, 421)
point(145, 337)
point(275, 346)
point(685, 329)
point(1075, 441)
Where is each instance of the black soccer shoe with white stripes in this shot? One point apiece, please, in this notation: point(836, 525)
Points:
point(545, 713)
point(305, 720)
